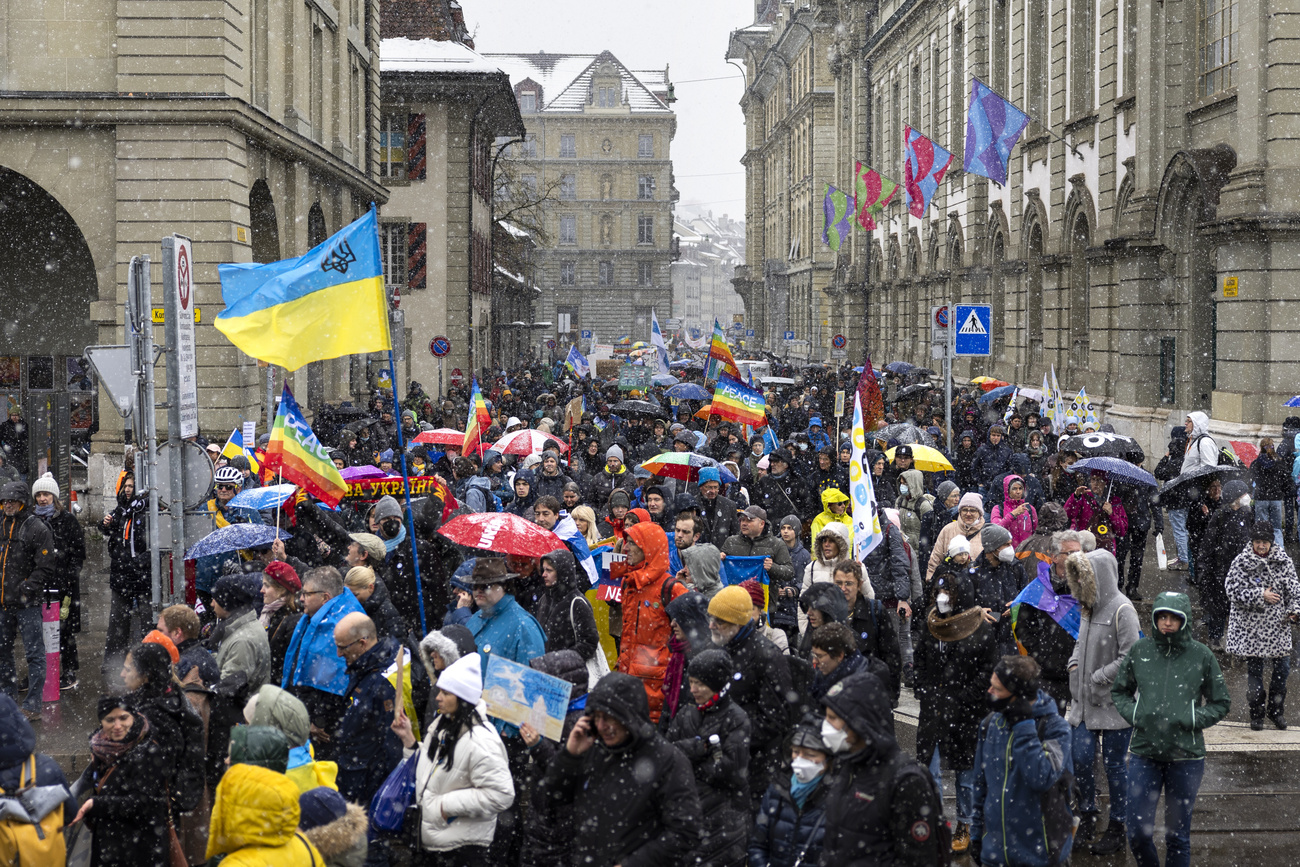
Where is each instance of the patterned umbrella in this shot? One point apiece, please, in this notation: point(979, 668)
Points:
point(235, 537)
point(501, 532)
point(685, 466)
point(528, 442)
point(689, 391)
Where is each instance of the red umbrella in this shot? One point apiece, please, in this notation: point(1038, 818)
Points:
point(528, 442)
point(1246, 451)
point(501, 532)
point(443, 436)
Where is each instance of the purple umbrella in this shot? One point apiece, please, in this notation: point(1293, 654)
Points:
point(351, 474)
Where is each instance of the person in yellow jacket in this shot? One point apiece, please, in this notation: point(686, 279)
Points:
point(835, 509)
point(255, 821)
point(272, 706)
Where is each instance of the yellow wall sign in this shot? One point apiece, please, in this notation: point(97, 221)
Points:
point(159, 319)
point(1229, 287)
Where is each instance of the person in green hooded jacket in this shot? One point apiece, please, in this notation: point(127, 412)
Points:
point(1170, 689)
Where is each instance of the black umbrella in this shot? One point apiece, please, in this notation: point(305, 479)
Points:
point(1104, 445)
point(903, 433)
point(914, 390)
point(923, 371)
point(638, 409)
point(1189, 486)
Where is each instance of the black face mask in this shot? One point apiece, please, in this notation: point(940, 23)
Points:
point(391, 527)
point(997, 705)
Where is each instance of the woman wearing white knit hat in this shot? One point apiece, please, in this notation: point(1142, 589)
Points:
point(462, 778)
point(69, 554)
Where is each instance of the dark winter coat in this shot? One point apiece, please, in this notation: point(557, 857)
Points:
point(179, 729)
point(721, 776)
point(129, 816)
point(279, 631)
point(783, 831)
point(721, 519)
point(380, 608)
point(548, 834)
point(366, 749)
point(27, 559)
point(782, 495)
point(762, 689)
point(881, 806)
point(1047, 642)
point(996, 585)
point(784, 611)
point(634, 804)
point(564, 613)
point(989, 462)
point(877, 637)
point(1227, 535)
point(69, 554)
point(888, 566)
point(782, 573)
point(127, 536)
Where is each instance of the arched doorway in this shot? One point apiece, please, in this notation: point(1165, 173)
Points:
point(1080, 340)
point(262, 223)
point(1034, 296)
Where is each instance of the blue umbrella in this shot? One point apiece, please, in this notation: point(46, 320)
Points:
point(1295, 401)
point(261, 499)
point(664, 379)
point(899, 367)
point(1117, 469)
point(990, 396)
point(689, 391)
point(682, 362)
point(235, 537)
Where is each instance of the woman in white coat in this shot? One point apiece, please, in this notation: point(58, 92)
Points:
point(462, 778)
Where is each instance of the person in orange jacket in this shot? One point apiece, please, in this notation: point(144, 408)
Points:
point(646, 630)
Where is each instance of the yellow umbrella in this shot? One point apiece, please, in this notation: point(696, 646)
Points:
point(925, 459)
point(980, 380)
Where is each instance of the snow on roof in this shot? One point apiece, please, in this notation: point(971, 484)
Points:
point(399, 54)
point(566, 80)
point(514, 230)
point(510, 275)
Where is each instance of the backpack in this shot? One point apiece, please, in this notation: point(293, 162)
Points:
point(31, 821)
point(1059, 804)
point(904, 765)
point(1226, 457)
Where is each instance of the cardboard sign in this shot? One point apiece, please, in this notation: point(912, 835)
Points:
point(518, 694)
point(635, 376)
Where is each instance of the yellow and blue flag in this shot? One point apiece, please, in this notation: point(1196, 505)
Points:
point(327, 303)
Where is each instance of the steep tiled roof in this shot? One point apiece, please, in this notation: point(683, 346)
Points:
point(566, 80)
point(441, 20)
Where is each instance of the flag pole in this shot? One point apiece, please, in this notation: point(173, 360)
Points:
point(406, 488)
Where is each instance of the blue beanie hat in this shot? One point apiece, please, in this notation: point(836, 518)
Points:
point(320, 806)
point(710, 474)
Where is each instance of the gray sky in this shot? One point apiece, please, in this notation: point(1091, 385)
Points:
point(689, 36)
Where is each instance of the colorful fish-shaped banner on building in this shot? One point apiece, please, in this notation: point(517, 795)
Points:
point(993, 126)
point(839, 208)
point(874, 193)
point(923, 170)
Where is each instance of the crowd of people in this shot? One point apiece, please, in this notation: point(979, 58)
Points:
point(708, 723)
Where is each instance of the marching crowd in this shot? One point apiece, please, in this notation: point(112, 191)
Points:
point(320, 705)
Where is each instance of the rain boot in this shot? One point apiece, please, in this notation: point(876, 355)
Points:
point(1112, 841)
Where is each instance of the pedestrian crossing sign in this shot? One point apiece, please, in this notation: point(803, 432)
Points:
point(974, 330)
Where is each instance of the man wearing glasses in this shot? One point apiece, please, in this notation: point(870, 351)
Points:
point(314, 670)
point(366, 748)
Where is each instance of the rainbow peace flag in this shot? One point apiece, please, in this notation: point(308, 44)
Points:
point(478, 422)
point(296, 454)
point(736, 401)
point(721, 361)
point(327, 303)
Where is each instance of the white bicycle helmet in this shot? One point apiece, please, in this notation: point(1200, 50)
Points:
point(228, 475)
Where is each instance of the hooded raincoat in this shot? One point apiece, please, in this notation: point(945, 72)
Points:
point(1108, 628)
point(255, 821)
point(646, 630)
point(913, 506)
point(1021, 526)
point(826, 517)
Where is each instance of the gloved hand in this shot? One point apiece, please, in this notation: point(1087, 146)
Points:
point(1018, 711)
point(975, 849)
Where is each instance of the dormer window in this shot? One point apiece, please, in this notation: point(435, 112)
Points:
point(607, 96)
point(528, 102)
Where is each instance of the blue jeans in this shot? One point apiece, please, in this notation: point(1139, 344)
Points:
point(28, 623)
point(1180, 782)
point(1275, 513)
point(1114, 746)
point(1178, 521)
point(965, 788)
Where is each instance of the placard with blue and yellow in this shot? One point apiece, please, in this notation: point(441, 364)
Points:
point(327, 303)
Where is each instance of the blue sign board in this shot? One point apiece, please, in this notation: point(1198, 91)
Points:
point(749, 332)
point(586, 335)
point(974, 329)
point(788, 335)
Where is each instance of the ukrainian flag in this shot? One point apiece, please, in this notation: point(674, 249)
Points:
point(325, 304)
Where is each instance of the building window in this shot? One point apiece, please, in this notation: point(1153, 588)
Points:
point(528, 186)
point(645, 187)
point(1218, 44)
point(528, 102)
point(957, 86)
point(1001, 43)
point(1168, 370)
point(568, 187)
point(528, 148)
point(1037, 74)
point(645, 147)
point(568, 230)
point(1130, 46)
point(607, 97)
point(392, 147)
point(606, 273)
point(567, 273)
point(914, 97)
point(568, 147)
point(936, 79)
point(645, 230)
point(896, 132)
point(392, 250)
point(645, 273)
point(317, 84)
point(1081, 56)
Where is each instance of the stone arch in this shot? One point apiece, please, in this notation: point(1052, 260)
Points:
point(263, 227)
point(998, 235)
point(1080, 225)
point(317, 231)
point(956, 244)
point(1189, 200)
point(47, 274)
point(932, 254)
point(1122, 197)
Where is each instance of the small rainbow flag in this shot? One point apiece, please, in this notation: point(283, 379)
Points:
point(479, 421)
point(296, 454)
point(736, 401)
point(721, 362)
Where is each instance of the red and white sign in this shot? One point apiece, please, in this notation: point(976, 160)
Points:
point(457, 375)
point(187, 379)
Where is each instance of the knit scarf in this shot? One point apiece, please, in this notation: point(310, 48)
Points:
point(108, 751)
point(800, 791)
point(269, 608)
point(674, 672)
point(714, 699)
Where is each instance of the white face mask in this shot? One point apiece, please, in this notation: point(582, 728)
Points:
point(836, 741)
point(943, 603)
point(1007, 555)
point(902, 489)
point(1244, 500)
point(806, 770)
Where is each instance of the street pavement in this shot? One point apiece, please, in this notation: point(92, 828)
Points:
point(1248, 812)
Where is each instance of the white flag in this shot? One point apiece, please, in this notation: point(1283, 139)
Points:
point(867, 532)
point(657, 341)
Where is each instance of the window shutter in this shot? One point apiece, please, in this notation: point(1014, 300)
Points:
point(415, 147)
point(416, 255)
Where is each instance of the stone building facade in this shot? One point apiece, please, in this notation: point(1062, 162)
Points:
point(1143, 243)
point(598, 150)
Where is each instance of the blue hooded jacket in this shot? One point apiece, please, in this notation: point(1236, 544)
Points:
point(1013, 770)
point(319, 665)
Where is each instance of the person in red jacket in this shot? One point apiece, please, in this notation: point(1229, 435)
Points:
point(646, 630)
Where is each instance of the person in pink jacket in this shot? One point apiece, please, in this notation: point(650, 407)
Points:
point(1013, 513)
point(1088, 509)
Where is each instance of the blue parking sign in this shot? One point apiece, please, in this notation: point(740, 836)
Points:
point(974, 329)
point(586, 335)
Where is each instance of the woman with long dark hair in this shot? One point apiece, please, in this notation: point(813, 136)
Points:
point(462, 777)
point(178, 729)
